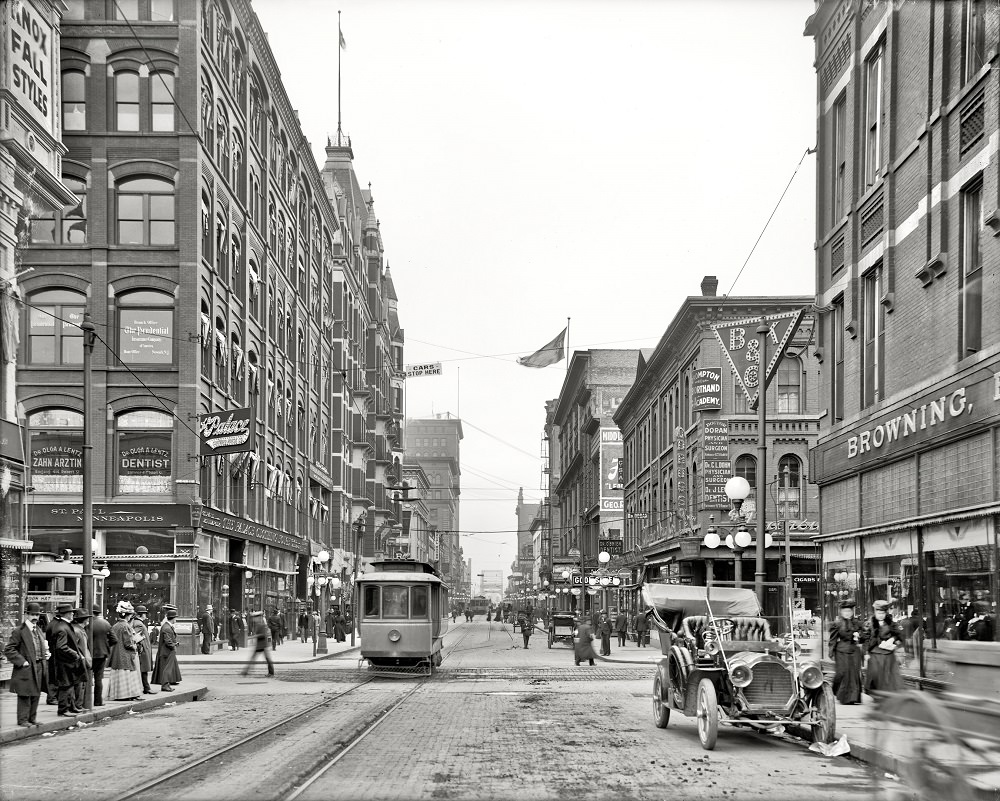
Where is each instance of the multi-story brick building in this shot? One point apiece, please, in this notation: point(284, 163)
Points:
point(223, 269)
point(588, 491)
point(683, 442)
point(31, 153)
point(908, 285)
point(434, 443)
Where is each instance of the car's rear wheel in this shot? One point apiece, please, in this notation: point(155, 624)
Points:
point(824, 727)
point(708, 714)
point(661, 712)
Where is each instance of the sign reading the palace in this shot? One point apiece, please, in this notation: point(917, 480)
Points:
point(417, 370)
point(30, 56)
point(741, 345)
point(707, 389)
point(716, 468)
point(957, 408)
point(226, 432)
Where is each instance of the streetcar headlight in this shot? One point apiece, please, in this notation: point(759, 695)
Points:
point(395, 636)
point(741, 676)
point(811, 677)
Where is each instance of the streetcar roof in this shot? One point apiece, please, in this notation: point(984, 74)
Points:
point(397, 576)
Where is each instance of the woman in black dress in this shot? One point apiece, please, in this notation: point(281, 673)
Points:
point(845, 651)
point(883, 638)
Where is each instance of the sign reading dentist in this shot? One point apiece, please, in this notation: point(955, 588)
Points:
point(226, 432)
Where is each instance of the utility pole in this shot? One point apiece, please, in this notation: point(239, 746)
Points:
point(89, 337)
point(763, 330)
point(359, 535)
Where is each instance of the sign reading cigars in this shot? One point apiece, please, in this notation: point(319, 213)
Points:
point(226, 432)
point(741, 345)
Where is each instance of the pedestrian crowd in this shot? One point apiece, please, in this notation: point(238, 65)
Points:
point(56, 658)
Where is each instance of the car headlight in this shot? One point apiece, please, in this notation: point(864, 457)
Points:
point(395, 636)
point(741, 675)
point(811, 677)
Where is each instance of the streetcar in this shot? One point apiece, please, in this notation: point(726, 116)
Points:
point(479, 605)
point(403, 616)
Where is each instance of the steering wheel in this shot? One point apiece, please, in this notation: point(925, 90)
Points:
point(721, 627)
point(791, 645)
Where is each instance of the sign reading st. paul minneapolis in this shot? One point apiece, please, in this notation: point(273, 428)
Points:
point(226, 432)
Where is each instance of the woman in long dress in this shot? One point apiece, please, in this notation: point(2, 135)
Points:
point(884, 637)
point(845, 651)
point(124, 683)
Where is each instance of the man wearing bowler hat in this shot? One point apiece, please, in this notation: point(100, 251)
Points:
point(25, 651)
point(81, 619)
point(100, 652)
point(66, 663)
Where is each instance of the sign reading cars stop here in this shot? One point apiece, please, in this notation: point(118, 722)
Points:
point(741, 345)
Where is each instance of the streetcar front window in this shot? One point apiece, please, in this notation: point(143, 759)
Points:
point(372, 602)
point(395, 602)
point(419, 598)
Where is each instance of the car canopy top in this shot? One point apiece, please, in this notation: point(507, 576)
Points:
point(671, 603)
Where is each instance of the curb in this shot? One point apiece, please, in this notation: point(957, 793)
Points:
point(277, 663)
point(117, 711)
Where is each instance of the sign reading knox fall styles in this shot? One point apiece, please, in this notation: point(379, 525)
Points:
point(30, 60)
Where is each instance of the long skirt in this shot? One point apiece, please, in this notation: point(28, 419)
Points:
point(847, 676)
point(124, 684)
point(166, 670)
point(883, 672)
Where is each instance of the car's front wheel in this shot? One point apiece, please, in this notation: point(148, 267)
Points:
point(661, 712)
point(708, 714)
point(824, 726)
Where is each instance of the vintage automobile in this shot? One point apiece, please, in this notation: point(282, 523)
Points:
point(562, 627)
point(722, 665)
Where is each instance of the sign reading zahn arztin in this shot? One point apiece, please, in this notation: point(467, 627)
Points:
point(226, 432)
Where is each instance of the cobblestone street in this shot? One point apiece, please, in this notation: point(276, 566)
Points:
point(496, 722)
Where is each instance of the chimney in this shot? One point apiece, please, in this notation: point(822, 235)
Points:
point(709, 286)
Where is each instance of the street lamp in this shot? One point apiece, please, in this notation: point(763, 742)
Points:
point(321, 579)
point(359, 528)
point(738, 540)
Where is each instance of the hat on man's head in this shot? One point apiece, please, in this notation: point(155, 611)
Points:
point(81, 614)
point(33, 609)
point(141, 610)
point(97, 610)
point(848, 603)
point(881, 606)
point(63, 608)
point(209, 608)
point(168, 608)
point(171, 614)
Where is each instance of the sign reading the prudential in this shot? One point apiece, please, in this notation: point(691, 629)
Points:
point(226, 432)
point(959, 407)
point(30, 58)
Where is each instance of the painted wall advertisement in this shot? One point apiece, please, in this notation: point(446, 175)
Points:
point(716, 467)
point(611, 479)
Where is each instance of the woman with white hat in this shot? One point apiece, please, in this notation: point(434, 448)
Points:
point(124, 683)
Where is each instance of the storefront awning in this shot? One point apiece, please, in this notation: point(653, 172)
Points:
point(17, 545)
point(912, 522)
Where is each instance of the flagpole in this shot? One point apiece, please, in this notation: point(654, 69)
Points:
point(340, 38)
point(568, 351)
point(458, 389)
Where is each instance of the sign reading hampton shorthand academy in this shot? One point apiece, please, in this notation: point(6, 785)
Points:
point(226, 432)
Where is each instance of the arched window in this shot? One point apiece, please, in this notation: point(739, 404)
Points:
point(789, 385)
point(789, 488)
point(63, 227)
point(54, 333)
point(746, 467)
point(207, 246)
point(146, 328)
point(207, 116)
point(146, 213)
point(127, 100)
point(144, 453)
point(74, 100)
point(206, 340)
point(222, 245)
point(55, 450)
point(161, 101)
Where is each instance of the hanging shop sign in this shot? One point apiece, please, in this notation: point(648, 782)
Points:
point(613, 547)
point(31, 56)
point(707, 389)
point(417, 370)
point(716, 469)
point(10, 441)
point(957, 408)
point(741, 345)
point(226, 432)
point(611, 477)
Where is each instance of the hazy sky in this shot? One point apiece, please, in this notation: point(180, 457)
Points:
point(538, 160)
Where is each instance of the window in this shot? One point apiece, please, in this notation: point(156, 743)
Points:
point(161, 101)
point(974, 38)
point(63, 227)
point(971, 225)
point(146, 328)
point(146, 212)
point(55, 445)
point(74, 9)
point(207, 248)
point(873, 339)
point(144, 448)
point(127, 101)
point(54, 334)
point(873, 115)
point(838, 151)
point(837, 360)
point(152, 10)
point(373, 606)
point(396, 602)
point(74, 100)
point(789, 488)
point(789, 385)
point(740, 403)
point(746, 467)
point(127, 9)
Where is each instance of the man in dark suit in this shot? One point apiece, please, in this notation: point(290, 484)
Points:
point(101, 650)
point(66, 663)
point(641, 626)
point(207, 623)
point(25, 651)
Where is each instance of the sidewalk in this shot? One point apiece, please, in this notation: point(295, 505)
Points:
point(290, 651)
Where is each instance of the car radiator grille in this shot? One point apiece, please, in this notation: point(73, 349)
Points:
point(771, 685)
